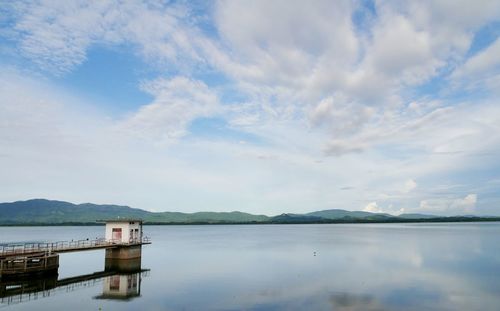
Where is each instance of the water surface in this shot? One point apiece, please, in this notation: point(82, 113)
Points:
point(287, 267)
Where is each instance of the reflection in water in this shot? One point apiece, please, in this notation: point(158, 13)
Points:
point(115, 286)
point(121, 286)
point(19, 290)
point(126, 265)
point(348, 302)
point(292, 267)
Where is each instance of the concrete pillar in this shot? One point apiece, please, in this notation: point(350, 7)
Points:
point(123, 258)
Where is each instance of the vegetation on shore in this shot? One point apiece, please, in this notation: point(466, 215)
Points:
point(46, 212)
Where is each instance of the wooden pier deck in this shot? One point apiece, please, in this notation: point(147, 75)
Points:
point(43, 258)
point(66, 246)
point(34, 263)
point(123, 244)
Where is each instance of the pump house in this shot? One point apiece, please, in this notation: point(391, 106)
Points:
point(124, 231)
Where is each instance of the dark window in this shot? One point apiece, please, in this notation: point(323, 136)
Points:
point(116, 234)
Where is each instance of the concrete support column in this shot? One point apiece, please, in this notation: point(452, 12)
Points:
point(123, 258)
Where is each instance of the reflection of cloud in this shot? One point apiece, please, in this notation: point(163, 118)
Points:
point(382, 267)
point(416, 260)
point(425, 296)
point(348, 302)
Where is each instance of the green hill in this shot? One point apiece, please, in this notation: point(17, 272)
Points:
point(42, 212)
point(206, 217)
point(46, 211)
point(296, 218)
point(416, 216)
point(340, 213)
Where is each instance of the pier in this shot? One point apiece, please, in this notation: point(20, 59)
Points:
point(123, 244)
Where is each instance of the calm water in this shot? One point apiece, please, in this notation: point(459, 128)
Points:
point(286, 267)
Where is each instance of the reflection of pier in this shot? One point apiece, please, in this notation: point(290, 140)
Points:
point(116, 285)
point(123, 245)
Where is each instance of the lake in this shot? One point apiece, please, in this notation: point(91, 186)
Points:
point(283, 267)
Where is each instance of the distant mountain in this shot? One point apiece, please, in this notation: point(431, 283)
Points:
point(206, 217)
point(417, 216)
point(46, 211)
point(340, 213)
point(333, 215)
point(41, 211)
point(296, 218)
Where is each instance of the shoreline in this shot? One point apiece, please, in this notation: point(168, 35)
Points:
point(326, 221)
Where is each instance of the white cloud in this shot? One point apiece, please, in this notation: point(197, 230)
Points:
point(176, 103)
point(313, 84)
point(96, 162)
point(276, 56)
point(341, 118)
point(480, 71)
point(457, 206)
point(372, 207)
point(290, 74)
point(485, 61)
point(401, 51)
point(409, 186)
point(341, 147)
point(57, 34)
point(107, 165)
point(350, 92)
point(466, 204)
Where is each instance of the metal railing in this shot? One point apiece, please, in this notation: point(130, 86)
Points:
point(44, 293)
point(65, 246)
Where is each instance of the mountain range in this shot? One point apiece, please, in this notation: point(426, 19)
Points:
point(42, 211)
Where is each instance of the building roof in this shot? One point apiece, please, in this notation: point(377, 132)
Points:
point(120, 220)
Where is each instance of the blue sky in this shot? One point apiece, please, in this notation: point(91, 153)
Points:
point(263, 106)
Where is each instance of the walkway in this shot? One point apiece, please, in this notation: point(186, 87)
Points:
point(65, 246)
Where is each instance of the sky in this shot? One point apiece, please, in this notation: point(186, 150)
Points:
point(265, 107)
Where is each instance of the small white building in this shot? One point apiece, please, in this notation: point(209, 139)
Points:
point(124, 231)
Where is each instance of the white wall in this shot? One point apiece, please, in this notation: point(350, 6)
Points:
point(126, 227)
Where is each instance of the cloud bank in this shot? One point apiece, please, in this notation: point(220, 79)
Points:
point(267, 107)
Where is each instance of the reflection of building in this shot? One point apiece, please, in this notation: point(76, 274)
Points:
point(115, 286)
point(121, 286)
